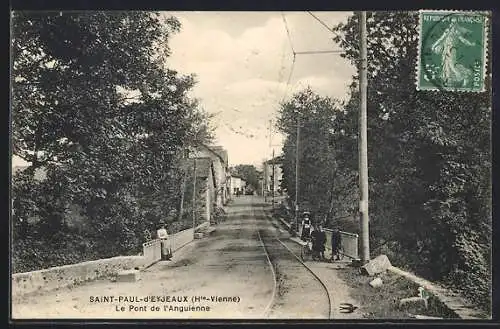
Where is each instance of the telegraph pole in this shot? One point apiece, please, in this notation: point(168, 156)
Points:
point(297, 173)
point(363, 143)
point(273, 179)
point(272, 159)
point(194, 194)
point(183, 187)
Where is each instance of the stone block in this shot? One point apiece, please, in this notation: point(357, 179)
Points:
point(375, 283)
point(128, 276)
point(375, 266)
point(413, 304)
point(198, 235)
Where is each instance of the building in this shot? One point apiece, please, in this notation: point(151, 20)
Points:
point(205, 185)
point(273, 174)
point(218, 156)
point(237, 184)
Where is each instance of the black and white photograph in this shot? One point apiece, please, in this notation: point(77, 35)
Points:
point(250, 165)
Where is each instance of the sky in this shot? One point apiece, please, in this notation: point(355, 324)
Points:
point(242, 62)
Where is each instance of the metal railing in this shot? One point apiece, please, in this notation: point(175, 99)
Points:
point(349, 244)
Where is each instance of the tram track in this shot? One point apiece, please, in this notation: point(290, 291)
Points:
point(298, 292)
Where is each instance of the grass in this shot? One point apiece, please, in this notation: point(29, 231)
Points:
point(382, 302)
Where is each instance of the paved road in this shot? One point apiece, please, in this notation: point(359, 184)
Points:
point(231, 264)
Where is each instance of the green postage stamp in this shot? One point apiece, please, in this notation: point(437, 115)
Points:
point(452, 51)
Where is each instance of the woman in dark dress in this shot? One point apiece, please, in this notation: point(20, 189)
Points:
point(318, 240)
point(306, 227)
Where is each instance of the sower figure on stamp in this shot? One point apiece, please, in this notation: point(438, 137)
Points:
point(446, 46)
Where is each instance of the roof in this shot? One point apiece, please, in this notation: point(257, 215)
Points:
point(219, 151)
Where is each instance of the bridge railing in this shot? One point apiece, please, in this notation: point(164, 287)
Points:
point(349, 244)
point(151, 251)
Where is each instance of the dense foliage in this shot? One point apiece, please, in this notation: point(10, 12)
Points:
point(428, 155)
point(321, 121)
point(95, 106)
point(249, 173)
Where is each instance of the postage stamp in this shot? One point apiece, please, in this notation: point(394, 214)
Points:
point(452, 51)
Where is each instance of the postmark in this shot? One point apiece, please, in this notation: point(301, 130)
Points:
point(452, 51)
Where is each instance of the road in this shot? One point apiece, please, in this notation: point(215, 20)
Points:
point(230, 269)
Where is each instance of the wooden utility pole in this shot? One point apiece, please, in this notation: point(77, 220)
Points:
point(363, 143)
point(297, 174)
point(183, 187)
point(194, 194)
point(273, 179)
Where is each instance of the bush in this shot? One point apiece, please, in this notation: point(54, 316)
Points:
point(35, 252)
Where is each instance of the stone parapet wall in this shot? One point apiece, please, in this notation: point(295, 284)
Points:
point(67, 275)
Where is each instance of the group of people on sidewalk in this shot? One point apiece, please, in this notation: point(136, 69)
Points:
point(317, 235)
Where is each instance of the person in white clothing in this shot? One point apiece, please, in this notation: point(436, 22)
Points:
point(162, 234)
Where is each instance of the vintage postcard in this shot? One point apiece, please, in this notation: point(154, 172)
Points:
point(180, 165)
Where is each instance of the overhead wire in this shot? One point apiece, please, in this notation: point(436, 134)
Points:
point(319, 52)
point(288, 32)
point(293, 60)
point(295, 53)
point(320, 21)
point(326, 26)
point(289, 78)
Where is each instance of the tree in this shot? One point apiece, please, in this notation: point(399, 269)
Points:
point(322, 182)
point(95, 105)
point(429, 160)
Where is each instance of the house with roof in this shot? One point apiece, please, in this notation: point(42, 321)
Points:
point(219, 158)
point(237, 184)
point(205, 187)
